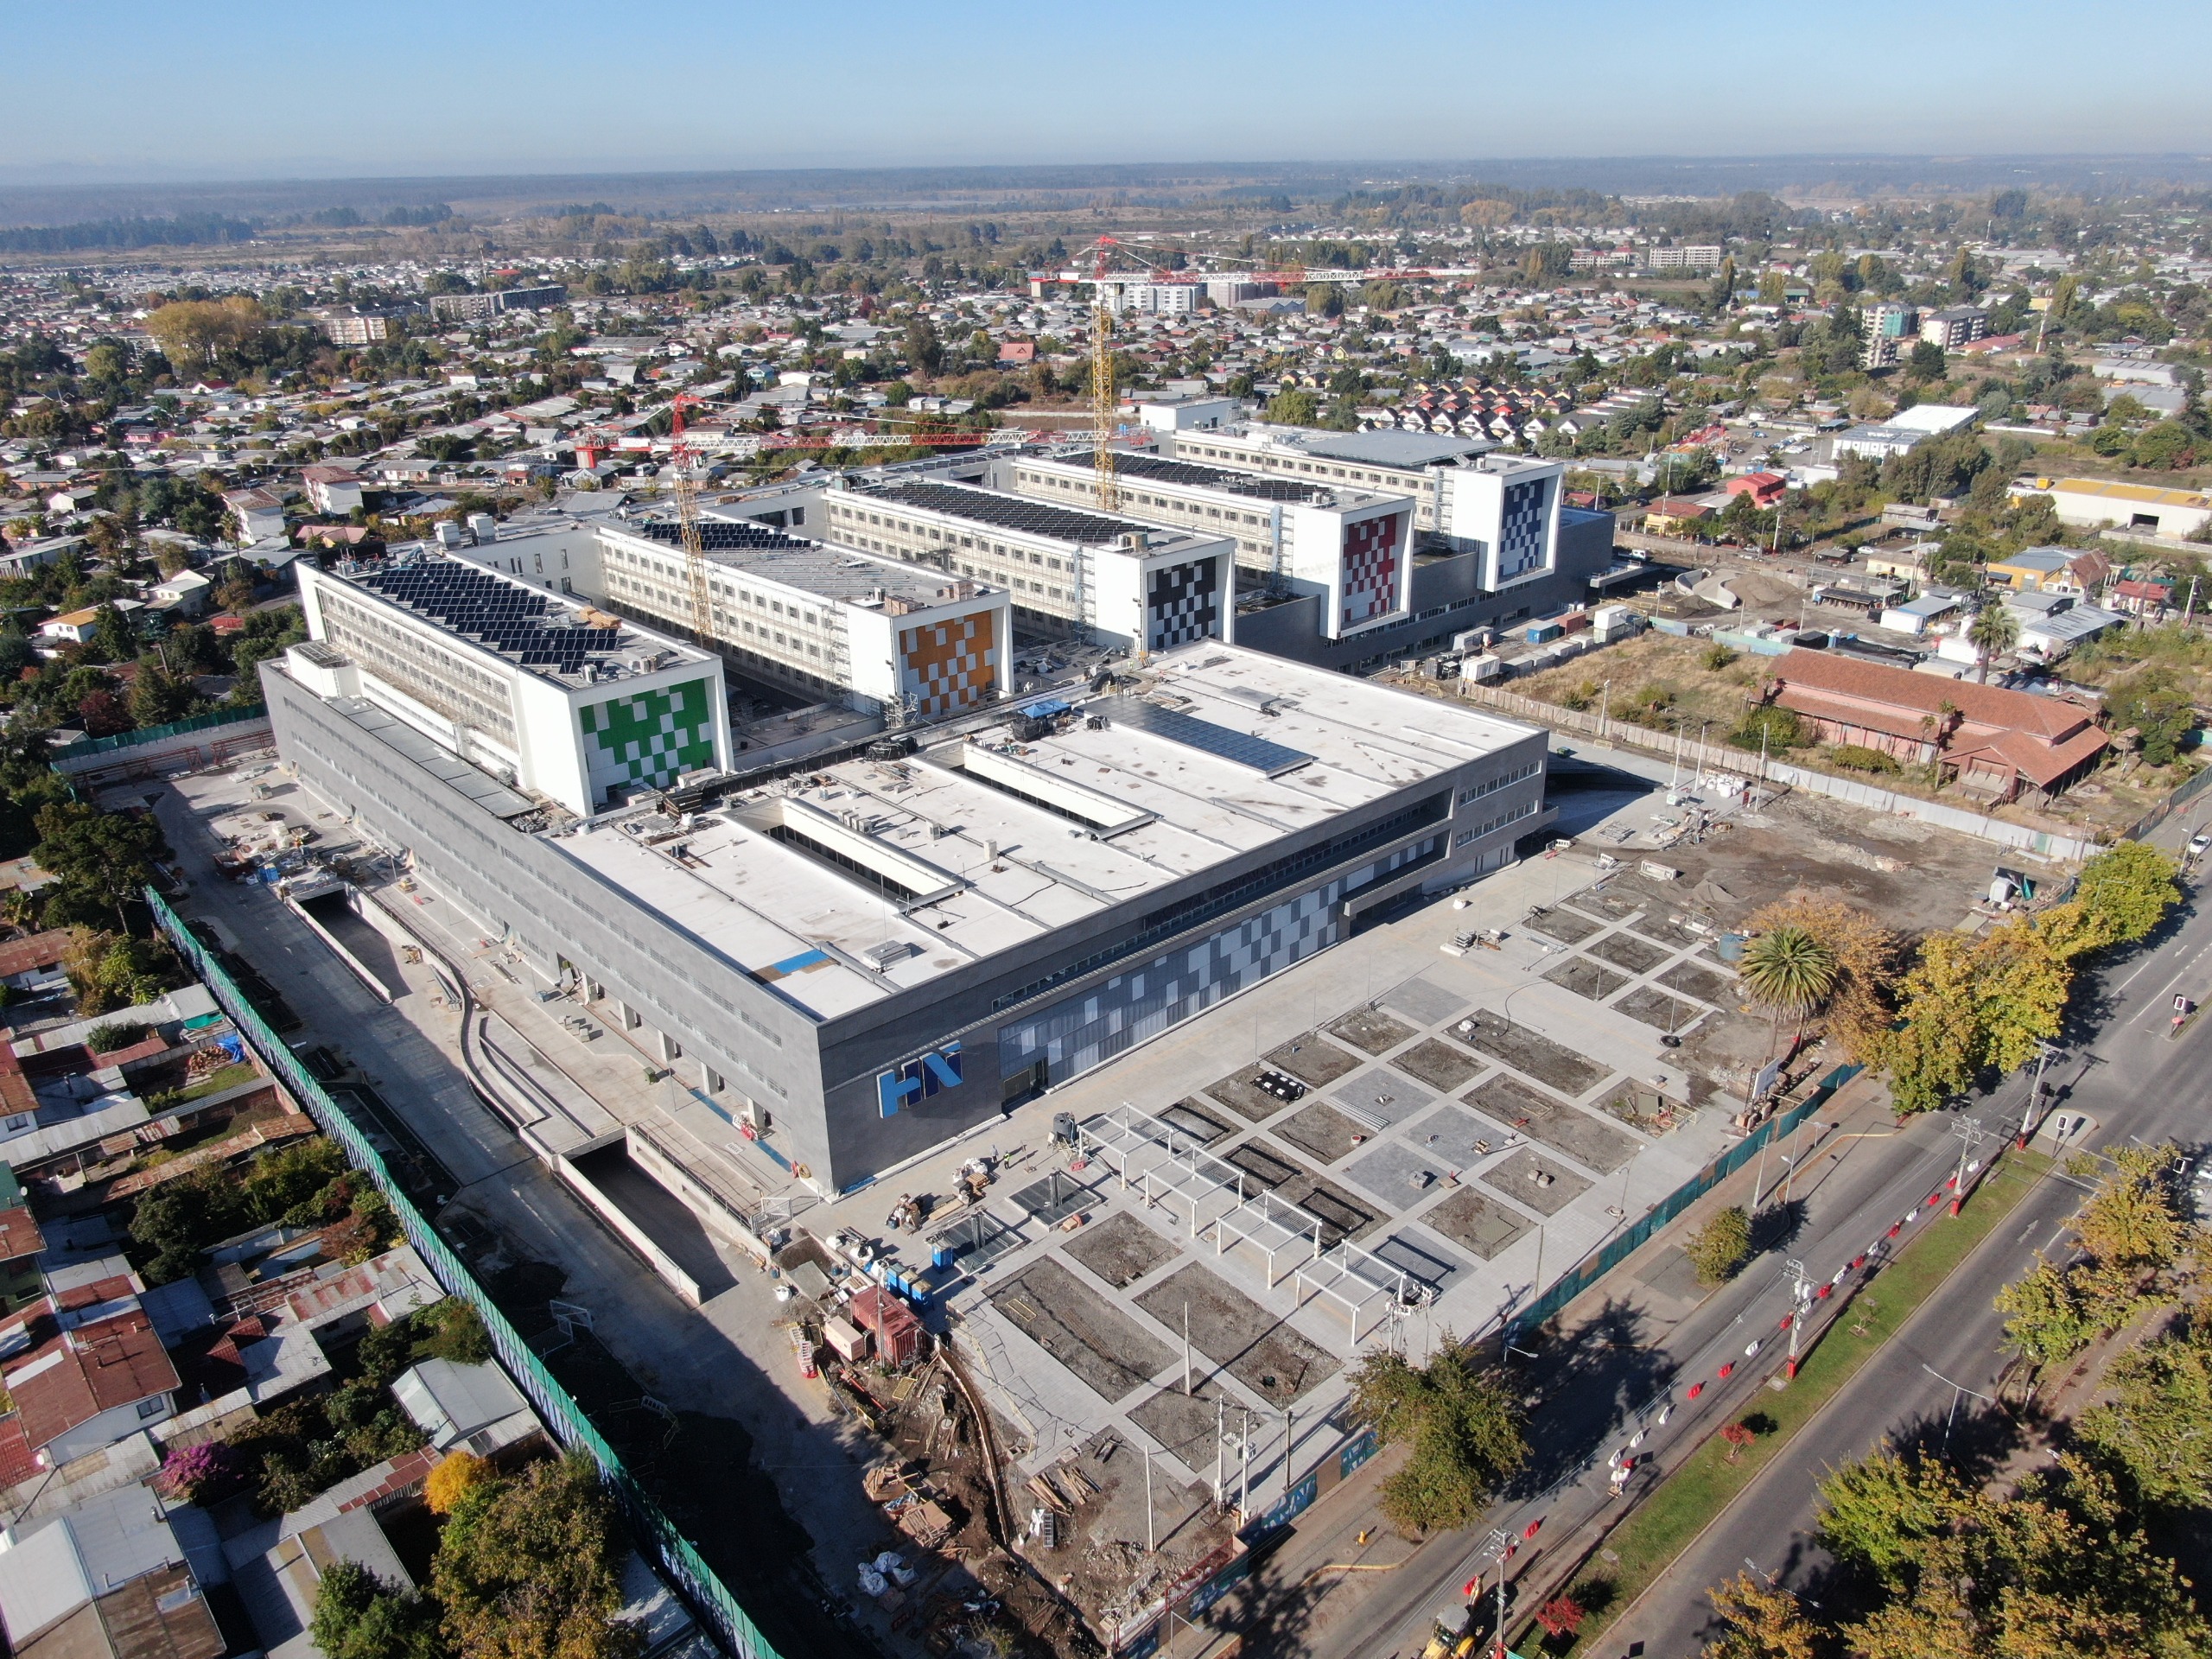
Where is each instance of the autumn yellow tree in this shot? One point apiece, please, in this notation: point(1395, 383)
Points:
point(193, 333)
point(1865, 954)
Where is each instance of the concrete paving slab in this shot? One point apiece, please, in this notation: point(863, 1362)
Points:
point(1456, 1136)
point(1423, 1001)
point(1545, 1185)
point(1381, 1097)
point(1414, 1254)
point(1252, 1345)
point(1398, 1174)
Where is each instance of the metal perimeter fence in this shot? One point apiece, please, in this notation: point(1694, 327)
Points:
point(706, 1593)
point(1616, 1250)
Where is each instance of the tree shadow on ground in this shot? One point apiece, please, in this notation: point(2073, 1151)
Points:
point(1776, 1226)
point(1587, 1379)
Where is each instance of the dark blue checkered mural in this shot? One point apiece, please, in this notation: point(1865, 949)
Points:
point(1523, 519)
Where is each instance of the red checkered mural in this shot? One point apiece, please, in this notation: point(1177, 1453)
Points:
point(1371, 570)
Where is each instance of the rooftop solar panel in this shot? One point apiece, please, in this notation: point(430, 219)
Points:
point(1013, 512)
point(479, 606)
point(1184, 472)
point(1224, 742)
point(717, 535)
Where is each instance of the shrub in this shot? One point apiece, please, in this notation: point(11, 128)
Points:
point(450, 1481)
point(1857, 757)
point(1580, 696)
point(192, 1472)
point(109, 1035)
point(1769, 729)
point(1716, 656)
point(1719, 1250)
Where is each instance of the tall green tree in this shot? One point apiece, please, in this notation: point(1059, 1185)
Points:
point(1789, 969)
point(2155, 1428)
point(529, 1566)
point(360, 1616)
point(102, 861)
point(1463, 1425)
point(1995, 631)
point(2129, 887)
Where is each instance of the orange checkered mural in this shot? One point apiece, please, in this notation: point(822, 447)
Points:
point(949, 665)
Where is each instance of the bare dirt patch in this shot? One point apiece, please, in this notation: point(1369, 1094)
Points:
point(1565, 1129)
point(1476, 1221)
point(1371, 1031)
point(1108, 1351)
point(1626, 950)
point(1121, 1249)
point(1527, 1177)
point(1195, 1120)
point(1263, 1164)
point(1438, 1065)
point(1563, 924)
point(1241, 1092)
point(1707, 984)
point(1238, 1335)
point(1320, 1131)
point(1312, 1061)
point(1528, 1052)
point(1656, 1008)
point(1586, 978)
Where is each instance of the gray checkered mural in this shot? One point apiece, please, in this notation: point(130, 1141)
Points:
point(1090, 1027)
point(1521, 519)
point(1183, 603)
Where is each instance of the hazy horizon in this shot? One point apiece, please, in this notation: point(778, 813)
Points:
point(407, 90)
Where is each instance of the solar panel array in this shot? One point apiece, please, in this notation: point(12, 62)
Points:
point(1224, 742)
point(717, 537)
point(1184, 472)
point(1013, 512)
point(478, 605)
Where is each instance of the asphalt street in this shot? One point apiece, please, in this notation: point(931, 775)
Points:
point(2136, 1086)
point(2124, 1072)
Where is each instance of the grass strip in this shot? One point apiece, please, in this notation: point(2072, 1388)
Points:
point(1665, 1522)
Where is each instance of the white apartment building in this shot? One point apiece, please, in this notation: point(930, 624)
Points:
point(1354, 546)
point(1389, 462)
point(1112, 582)
point(561, 699)
point(830, 621)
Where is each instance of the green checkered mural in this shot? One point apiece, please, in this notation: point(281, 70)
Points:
point(649, 737)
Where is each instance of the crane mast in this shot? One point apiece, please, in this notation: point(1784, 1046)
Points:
point(1104, 406)
point(687, 517)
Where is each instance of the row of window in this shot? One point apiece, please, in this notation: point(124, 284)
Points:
point(1525, 809)
point(1492, 786)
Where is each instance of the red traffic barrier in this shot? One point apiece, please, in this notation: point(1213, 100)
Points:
point(1729, 1369)
point(1895, 1230)
point(1936, 1198)
point(1825, 1292)
point(1859, 1261)
point(1696, 1389)
point(1787, 1319)
point(1529, 1531)
point(1473, 1587)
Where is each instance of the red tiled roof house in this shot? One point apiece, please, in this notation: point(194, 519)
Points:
point(2001, 744)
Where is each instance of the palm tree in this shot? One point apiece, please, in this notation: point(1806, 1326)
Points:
point(1995, 631)
point(1789, 968)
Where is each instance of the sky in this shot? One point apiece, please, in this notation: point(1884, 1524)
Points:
point(246, 90)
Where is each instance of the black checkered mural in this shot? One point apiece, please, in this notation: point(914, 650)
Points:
point(1521, 519)
point(1092, 1026)
point(1183, 603)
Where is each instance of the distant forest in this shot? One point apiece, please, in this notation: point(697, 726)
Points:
point(182, 231)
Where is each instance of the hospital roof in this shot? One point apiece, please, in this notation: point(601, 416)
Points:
point(830, 572)
point(873, 878)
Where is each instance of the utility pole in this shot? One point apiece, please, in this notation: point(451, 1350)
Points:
point(1970, 1134)
point(2043, 1051)
point(1801, 1300)
point(1187, 1350)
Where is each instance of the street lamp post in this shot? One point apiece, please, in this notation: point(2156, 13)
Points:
point(2043, 1051)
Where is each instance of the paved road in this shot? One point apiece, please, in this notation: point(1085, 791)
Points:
point(2136, 1084)
point(2132, 1081)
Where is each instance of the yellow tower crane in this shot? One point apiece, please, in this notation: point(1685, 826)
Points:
point(687, 518)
